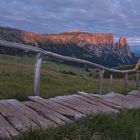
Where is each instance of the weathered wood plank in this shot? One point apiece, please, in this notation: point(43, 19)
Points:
point(34, 116)
point(119, 99)
point(20, 116)
point(134, 93)
point(134, 98)
point(14, 117)
point(103, 108)
point(70, 105)
point(6, 130)
point(77, 103)
point(66, 111)
point(47, 112)
point(98, 98)
point(80, 104)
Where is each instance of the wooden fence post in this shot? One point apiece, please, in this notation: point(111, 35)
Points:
point(137, 80)
point(110, 82)
point(101, 76)
point(126, 82)
point(37, 72)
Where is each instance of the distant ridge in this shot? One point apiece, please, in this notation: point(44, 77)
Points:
point(96, 47)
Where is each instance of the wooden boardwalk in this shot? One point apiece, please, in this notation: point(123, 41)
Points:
point(16, 116)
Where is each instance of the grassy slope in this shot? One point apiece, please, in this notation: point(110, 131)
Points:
point(16, 79)
point(131, 76)
point(123, 126)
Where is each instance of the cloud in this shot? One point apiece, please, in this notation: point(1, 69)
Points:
point(120, 17)
point(134, 41)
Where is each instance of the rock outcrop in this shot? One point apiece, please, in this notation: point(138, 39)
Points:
point(123, 42)
point(96, 47)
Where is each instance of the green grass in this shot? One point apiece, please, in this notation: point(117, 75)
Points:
point(131, 76)
point(125, 67)
point(16, 79)
point(122, 126)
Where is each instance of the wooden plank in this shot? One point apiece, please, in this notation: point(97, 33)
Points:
point(6, 130)
point(37, 71)
point(31, 114)
point(118, 99)
point(20, 116)
point(47, 112)
point(79, 104)
point(134, 93)
point(103, 108)
point(66, 111)
point(98, 98)
point(112, 104)
point(133, 100)
point(72, 106)
point(127, 102)
point(16, 119)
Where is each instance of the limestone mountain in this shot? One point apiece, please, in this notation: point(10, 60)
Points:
point(96, 47)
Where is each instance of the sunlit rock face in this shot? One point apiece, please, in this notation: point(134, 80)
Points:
point(123, 42)
point(121, 49)
point(96, 47)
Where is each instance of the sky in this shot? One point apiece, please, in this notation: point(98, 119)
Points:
point(120, 17)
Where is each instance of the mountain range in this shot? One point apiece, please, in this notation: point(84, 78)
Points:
point(100, 48)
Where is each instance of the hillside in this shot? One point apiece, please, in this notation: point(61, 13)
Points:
point(16, 79)
point(96, 47)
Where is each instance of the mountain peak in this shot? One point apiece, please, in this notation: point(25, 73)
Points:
point(123, 42)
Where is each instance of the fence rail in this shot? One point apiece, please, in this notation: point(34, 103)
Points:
point(38, 63)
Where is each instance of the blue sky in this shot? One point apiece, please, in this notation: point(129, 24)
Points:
point(120, 17)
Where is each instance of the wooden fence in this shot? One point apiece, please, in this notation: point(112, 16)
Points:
point(38, 63)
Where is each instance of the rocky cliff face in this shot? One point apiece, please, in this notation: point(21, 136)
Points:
point(100, 48)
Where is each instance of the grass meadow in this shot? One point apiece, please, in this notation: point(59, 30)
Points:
point(16, 79)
